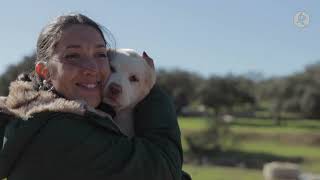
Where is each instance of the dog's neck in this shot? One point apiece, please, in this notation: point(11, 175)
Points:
point(124, 119)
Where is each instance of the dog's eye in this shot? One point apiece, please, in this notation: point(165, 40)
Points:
point(133, 78)
point(112, 69)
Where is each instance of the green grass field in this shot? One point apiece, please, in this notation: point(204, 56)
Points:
point(268, 140)
point(221, 173)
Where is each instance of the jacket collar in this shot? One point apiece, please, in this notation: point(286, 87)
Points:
point(23, 101)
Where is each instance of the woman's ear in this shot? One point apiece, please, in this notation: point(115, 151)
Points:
point(42, 70)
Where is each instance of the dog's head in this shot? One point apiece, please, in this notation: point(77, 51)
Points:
point(132, 78)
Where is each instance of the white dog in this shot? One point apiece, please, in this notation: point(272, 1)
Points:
point(131, 80)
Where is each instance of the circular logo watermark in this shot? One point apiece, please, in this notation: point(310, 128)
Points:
point(301, 19)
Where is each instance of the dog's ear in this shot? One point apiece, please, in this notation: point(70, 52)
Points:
point(148, 59)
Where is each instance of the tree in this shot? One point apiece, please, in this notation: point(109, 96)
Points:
point(181, 85)
point(218, 92)
point(11, 73)
point(296, 93)
point(310, 103)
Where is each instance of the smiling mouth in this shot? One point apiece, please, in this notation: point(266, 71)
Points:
point(89, 86)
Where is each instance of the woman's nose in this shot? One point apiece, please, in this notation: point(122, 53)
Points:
point(91, 67)
point(104, 70)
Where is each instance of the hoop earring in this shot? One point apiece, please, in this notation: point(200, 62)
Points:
point(47, 86)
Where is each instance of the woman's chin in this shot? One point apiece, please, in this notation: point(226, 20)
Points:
point(92, 101)
point(88, 92)
point(93, 98)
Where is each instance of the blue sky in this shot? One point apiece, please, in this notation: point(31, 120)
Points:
point(208, 37)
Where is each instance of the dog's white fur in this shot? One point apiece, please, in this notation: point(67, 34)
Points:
point(134, 75)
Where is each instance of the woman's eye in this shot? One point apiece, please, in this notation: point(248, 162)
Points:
point(102, 55)
point(133, 78)
point(72, 56)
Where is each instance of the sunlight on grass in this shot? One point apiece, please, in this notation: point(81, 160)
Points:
point(222, 173)
point(310, 154)
point(269, 130)
point(192, 124)
point(281, 149)
point(267, 126)
point(254, 125)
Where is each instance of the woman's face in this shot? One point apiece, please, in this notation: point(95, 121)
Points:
point(79, 66)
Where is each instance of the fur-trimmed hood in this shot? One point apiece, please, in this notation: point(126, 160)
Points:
point(23, 101)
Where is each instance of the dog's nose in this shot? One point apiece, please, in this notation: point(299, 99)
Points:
point(115, 89)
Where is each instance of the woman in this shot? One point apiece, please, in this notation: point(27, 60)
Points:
point(51, 131)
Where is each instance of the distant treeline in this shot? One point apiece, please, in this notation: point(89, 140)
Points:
point(25, 65)
point(298, 93)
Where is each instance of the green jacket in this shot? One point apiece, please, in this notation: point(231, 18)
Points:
point(55, 139)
